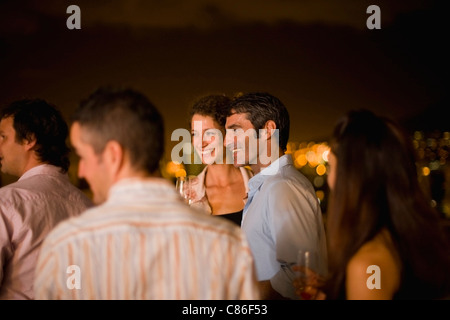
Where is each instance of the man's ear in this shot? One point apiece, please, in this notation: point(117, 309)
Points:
point(113, 154)
point(29, 143)
point(269, 129)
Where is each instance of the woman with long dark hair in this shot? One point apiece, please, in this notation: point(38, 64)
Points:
point(379, 222)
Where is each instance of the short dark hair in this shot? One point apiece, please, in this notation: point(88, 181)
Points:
point(214, 105)
point(261, 107)
point(128, 117)
point(40, 120)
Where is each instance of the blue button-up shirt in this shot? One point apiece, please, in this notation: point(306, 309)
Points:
point(282, 215)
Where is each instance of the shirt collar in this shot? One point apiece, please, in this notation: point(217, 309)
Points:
point(255, 183)
point(257, 180)
point(46, 169)
point(149, 188)
point(199, 188)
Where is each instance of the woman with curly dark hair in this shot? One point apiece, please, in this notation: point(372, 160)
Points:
point(220, 189)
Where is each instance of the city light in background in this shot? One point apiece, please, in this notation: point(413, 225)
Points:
point(311, 158)
point(318, 57)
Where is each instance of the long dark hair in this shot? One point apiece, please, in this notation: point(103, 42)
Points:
point(377, 188)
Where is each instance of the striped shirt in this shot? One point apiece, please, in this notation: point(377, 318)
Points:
point(144, 242)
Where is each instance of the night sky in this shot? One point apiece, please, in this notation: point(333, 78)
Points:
point(317, 56)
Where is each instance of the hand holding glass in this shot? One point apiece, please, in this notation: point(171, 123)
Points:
point(308, 277)
point(183, 186)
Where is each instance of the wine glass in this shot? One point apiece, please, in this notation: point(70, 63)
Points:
point(308, 262)
point(183, 186)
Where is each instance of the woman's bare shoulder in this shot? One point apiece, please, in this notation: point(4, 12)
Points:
point(374, 271)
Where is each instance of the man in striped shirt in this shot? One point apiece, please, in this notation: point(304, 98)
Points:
point(141, 241)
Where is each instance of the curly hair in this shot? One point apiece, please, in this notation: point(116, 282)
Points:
point(215, 106)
